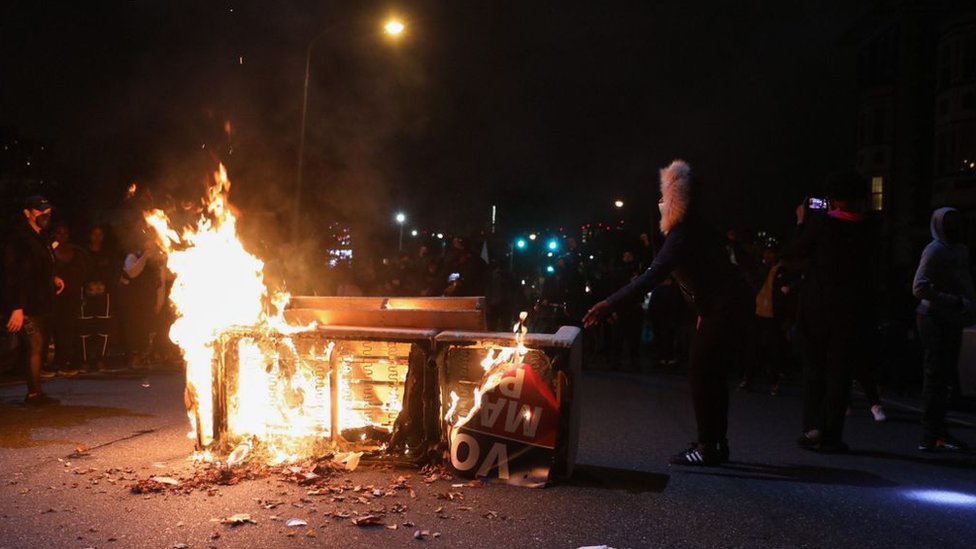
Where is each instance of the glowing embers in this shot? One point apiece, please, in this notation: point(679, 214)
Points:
point(302, 395)
point(943, 497)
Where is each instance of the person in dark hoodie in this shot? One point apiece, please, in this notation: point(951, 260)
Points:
point(835, 306)
point(29, 290)
point(944, 285)
point(695, 255)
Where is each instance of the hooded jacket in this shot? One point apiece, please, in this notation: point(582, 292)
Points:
point(691, 252)
point(943, 282)
point(28, 272)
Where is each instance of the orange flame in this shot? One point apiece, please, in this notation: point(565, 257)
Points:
point(280, 398)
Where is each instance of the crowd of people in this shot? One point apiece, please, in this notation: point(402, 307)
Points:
point(827, 302)
point(81, 300)
point(689, 297)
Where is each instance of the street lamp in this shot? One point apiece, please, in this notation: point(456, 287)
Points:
point(400, 219)
point(618, 204)
point(394, 28)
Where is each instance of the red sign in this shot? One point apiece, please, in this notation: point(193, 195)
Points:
point(513, 434)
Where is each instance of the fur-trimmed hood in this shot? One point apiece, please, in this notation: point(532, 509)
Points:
point(675, 194)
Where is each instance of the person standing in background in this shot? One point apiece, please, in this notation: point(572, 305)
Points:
point(770, 346)
point(944, 284)
point(836, 306)
point(69, 265)
point(141, 299)
point(30, 286)
point(103, 267)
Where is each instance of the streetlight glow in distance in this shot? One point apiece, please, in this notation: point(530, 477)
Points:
point(393, 27)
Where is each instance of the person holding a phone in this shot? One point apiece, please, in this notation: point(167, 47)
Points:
point(835, 308)
point(694, 254)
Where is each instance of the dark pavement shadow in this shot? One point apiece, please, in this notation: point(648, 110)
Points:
point(18, 422)
point(958, 460)
point(607, 478)
point(805, 474)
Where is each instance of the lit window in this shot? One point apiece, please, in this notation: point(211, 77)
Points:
point(877, 193)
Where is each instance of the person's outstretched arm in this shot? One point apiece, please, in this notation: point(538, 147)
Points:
point(664, 262)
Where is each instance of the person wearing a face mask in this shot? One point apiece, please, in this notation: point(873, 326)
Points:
point(944, 285)
point(694, 254)
point(29, 289)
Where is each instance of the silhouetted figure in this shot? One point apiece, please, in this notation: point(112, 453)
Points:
point(626, 330)
point(29, 290)
point(94, 323)
point(836, 307)
point(140, 297)
point(944, 284)
point(505, 299)
point(70, 266)
point(694, 255)
point(771, 324)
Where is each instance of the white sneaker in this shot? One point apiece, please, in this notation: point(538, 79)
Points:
point(878, 412)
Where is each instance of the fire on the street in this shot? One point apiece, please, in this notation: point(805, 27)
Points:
point(280, 396)
point(263, 386)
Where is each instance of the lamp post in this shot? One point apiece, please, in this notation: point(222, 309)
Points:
point(401, 218)
point(393, 28)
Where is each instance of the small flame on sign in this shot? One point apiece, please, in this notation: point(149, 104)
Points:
point(494, 358)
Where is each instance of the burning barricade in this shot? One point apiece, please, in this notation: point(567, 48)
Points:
point(417, 380)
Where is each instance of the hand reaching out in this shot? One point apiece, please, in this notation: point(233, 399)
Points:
point(596, 314)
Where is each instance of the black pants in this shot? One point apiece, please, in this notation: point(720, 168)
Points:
point(770, 350)
point(64, 328)
point(716, 346)
point(94, 324)
point(33, 339)
point(942, 342)
point(829, 359)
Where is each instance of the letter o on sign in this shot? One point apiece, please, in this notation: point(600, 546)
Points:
point(472, 449)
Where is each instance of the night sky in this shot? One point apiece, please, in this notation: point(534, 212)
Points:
point(548, 109)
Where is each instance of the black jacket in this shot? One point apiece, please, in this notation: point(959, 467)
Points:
point(839, 283)
point(28, 266)
point(696, 258)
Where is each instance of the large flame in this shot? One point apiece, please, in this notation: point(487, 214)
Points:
point(218, 285)
point(287, 392)
point(281, 393)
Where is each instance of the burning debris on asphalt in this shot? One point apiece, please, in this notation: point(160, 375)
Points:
point(267, 392)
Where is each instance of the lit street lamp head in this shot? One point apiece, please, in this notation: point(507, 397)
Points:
point(393, 27)
point(618, 203)
point(400, 217)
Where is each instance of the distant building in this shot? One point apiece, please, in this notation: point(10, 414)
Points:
point(916, 116)
point(955, 113)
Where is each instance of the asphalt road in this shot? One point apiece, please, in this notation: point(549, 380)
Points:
point(772, 494)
